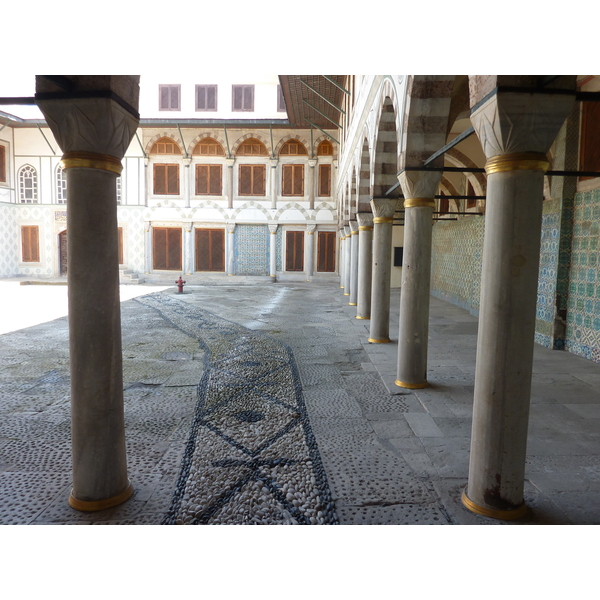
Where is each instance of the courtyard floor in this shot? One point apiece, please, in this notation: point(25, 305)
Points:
point(265, 404)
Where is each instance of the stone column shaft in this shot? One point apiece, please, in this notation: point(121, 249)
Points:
point(342, 260)
point(230, 248)
point(347, 257)
point(229, 181)
point(516, 131)
point(188, 249)
point(383, 219)
point(273, 251)
point(310, 183)
point(365, 265)
point(352, 301)
point(413, 331)
point(309, 245)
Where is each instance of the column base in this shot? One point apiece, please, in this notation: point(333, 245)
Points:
point(94, 505)
point(346, 294)
point(368, 318)
point(503, 515)
point(411, 386)
point(372, 341)
point(352, 304)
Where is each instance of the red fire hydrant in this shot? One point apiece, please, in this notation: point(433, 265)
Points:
point(180, 283)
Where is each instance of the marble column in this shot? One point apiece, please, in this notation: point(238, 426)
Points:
point(383, 220)
point(352, 301)
point(419, 190)
point(188, 249)
point(230, 249)
point(229, 181)
point(188, 181)
point(516, 131)
point(342, 254)
point(273, 182)
point(310, 183)
point(365, 265)
point(347, 257)
point(309, 248)
point(94, 132)
point(147, 248)
point(273, 251)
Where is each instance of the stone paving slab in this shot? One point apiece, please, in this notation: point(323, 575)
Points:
point(388, 455)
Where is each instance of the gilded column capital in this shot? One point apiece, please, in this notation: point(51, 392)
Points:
point(273, 162)
point(364, 220)
point(230, 162)
point(273, 228)
point(420, 184)
point(312, 163)
point(353, 227)
point(347, 231)
point(384, 207)
point(230, 227)
point(518, 122)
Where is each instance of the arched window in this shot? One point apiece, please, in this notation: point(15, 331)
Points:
point(208, 147)
point(165, 146)
point(293, 148)
point(28, 185)
point(61, 186)
point(252, 147)
point(325, 149)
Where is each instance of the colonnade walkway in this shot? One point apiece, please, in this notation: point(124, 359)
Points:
point(266, 404)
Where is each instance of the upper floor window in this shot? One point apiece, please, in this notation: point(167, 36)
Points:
point(206, 97)
point(325, 149)
point(208, 147)
point(209, 179)
point(165, 146)
point(2, 164)
point(243, 98)
point(293, 148)
point(280, 100)
point(28, 185)
point(292, 183)
point(61, 186)
point(252, 180)
point(324, 180)
point(169, 97)
point(252, 147)
point(166, 180)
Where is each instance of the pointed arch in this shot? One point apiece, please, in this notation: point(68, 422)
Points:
point(290, 138)
point(206, 145)
point(249, 136)
point(165, 145)
point(385, 166)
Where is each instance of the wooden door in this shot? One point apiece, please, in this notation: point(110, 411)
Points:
point(166, 249)
point(294, 251)
point(210, 250)
point(62, 252)
point(326, 252)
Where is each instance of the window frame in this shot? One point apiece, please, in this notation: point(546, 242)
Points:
point(176, 232)
point(243, 87)
point(34, 188)
point(206, 87)
point(253, 166)
point(35, 258)
point(169, 86)
point(209, 166)
point(167, 192)
point(292, 167)
point(3, 164)
point(329, 168)
point(61, 185)
point(210, 232)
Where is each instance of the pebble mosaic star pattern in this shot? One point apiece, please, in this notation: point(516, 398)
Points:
point(251, 457)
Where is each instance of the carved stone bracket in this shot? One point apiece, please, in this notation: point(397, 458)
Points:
point(365, 219)
point(419, 184)
point(384, 207)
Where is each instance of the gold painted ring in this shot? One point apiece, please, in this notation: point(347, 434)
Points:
point(383, 220)
point(94, 505)
point(411, 386)
point(530, 161)
point(365, 228)
point(91, 160)
point(419, 202)
point(504, 515)
point(373, 341)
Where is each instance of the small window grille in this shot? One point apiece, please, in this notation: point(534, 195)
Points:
point(28, 185)
point(243, 98)
point(61, 186)
point(206, 97)
point(169, 97)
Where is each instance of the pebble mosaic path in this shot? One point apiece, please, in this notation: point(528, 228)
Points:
point(251, 457)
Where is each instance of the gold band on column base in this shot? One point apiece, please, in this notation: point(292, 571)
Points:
point(94, 505)
point(411, 386)
point(504, 515)
point(419, 202)
point(530, 161)
point(91, 160)
point(346, 294)
point(362, 317)
point(372, 341)
point(352, 304)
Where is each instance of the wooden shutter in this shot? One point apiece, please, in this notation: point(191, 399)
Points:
point(590, 134)
point(248, 97)
point(166, 248)
point(174, 98)
point(120, 230)
point(252, 180)
point(211, 97)
point(294, 259)
point(209, 179)
point(216, 180)
point(164, 98)
point(293, 180)
point(324, 180)
point(173, 179)
point(210, 250)
point(202, 173)
point(243, 97)
point(326, 252)
point(30, 243)
point(160, 179)
point(2, 163)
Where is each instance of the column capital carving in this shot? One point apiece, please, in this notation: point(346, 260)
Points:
point(312, 163)
point(230, 227)
point(273, 228)
point(95, 125)
point(347, 230)
point(365, 219)
point(419, 184)
point(310, 229)
point(187, 161)
point(513, 122)
point(384, 207)
point(273, 162)
point(230, 162)
point(353, 226)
